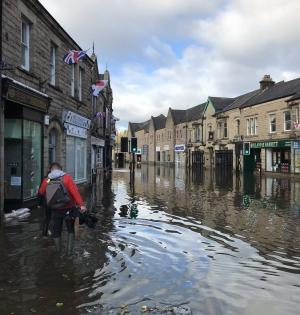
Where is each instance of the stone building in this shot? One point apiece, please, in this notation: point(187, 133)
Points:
point(47, 110)
point(217, 133)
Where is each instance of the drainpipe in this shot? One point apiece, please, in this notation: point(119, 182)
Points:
point(1, 125)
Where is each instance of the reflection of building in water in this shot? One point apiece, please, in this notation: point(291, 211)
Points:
point(217, 203)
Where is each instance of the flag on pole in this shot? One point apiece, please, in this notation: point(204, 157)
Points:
point(73, 56)
point(99, 86)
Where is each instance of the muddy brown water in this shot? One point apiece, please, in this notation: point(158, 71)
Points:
point(202, 243)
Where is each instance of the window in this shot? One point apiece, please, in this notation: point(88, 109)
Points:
point(287, 121)
point(219, 128)
point(190, 135)
point(225, 129)
point(251, 126)
point(25, 37)
point(73, 80)
point(197, 134)
point(76, 158)
point(80, 84)
point(52, 64)
point(32, 148)
point(238, 126)
point(272, 123)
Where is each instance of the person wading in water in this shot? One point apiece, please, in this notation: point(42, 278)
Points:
point(61, 196)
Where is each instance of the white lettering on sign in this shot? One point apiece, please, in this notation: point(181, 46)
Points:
point(77, 120)
point(179, 147)
point(76, 131)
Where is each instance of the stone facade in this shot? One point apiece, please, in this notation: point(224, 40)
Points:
point(53, 99)
point(217, 133)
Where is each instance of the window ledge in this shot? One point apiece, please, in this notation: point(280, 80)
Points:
point(28, 72)
point(81, 181)
point(55, 87)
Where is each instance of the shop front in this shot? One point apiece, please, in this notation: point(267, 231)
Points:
point(296, 156)
point(97, 156)
point(76, 145)
point(277, 155)
point(23, 142)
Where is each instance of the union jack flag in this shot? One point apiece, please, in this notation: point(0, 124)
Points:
point(73, 56)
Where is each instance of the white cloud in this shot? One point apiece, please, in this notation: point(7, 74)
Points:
point(176, 53)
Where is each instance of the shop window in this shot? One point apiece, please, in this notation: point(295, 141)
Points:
point(32, 150)
point(25, 40)
point(52, 145)
point(287, 121)
point(272, 123)
point(52, 64)
point(76, 158)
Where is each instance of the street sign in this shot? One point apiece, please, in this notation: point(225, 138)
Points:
point(246, 148)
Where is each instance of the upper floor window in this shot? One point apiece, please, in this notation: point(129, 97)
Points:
point(25, 39)
point(238, 127)
point(272, 123)
point(197, 134)
point(73, 80)
point(287, 121)
point(80, 84)
point(225, 130)
point(52, 64)
point(251, 126)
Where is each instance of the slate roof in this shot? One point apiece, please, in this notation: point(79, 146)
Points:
point(221, 102)
point(185, 115)
point(139, 126)
point(277, 91)
point(159, 122)
point(195, 112)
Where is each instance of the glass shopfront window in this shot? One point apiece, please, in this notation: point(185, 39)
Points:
point(23, 158)
point(76, 158)
point(32, 167)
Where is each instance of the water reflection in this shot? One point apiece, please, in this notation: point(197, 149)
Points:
point(192, 243)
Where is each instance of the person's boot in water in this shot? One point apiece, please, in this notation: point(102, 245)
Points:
point(57, 242)
point(70, 244)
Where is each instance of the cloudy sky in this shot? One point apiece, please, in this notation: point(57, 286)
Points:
point(175, 53)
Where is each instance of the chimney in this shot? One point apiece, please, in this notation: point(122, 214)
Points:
point(266, 82)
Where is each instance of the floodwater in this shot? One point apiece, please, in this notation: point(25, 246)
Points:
point(202, 243)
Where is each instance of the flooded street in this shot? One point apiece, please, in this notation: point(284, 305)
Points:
point(202, 243)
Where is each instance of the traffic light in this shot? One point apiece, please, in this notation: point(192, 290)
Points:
point(246, 148)
point(124, 144)
point(133, 145)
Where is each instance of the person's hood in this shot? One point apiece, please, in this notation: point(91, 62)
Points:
point(55, 174)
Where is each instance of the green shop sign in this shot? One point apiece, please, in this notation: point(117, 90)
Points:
point(271, 144)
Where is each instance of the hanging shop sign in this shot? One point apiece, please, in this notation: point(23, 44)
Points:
point(97, 142)
point(271, 144)
point(296, 144)
point(75, 131)
point(77, 120)
point(179, 147)
point(157, 149)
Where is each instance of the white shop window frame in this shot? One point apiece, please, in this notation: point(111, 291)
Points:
point(80, 180)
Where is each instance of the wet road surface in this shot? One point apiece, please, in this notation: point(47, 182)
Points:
point(202, 243)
